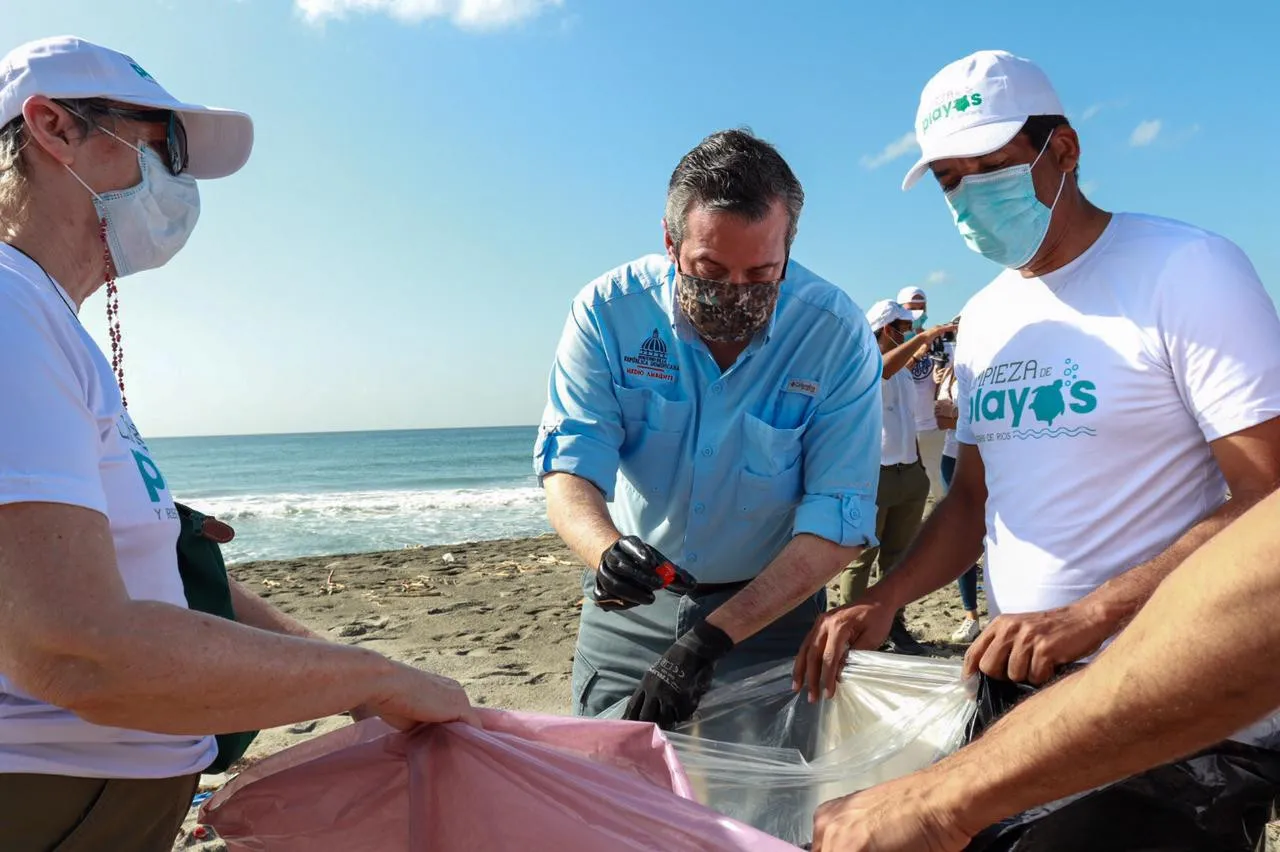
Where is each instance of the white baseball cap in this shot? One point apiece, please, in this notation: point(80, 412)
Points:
point(911, 294)
point(218, 140)
point(976, 105)
point(886, 311)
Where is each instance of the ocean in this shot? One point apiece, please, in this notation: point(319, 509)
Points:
point(355, 492)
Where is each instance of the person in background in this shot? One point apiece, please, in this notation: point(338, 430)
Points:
point(903, 486)
point(1151, 698)
point(947, 414)
point(716, 408)
point(109, 685)
point(1116, 410)
point(928, 435)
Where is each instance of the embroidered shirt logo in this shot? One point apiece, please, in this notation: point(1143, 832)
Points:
point(651, 360)
point(808, 387)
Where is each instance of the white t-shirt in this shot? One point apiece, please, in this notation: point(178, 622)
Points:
point(66, 438)
point(1092, 394)
point(898, 438)
point(925, 393)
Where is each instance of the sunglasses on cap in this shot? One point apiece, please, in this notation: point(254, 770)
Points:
point(174, 154)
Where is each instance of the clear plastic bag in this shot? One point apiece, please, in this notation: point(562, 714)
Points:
point(762, 754)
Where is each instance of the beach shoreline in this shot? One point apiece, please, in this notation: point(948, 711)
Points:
point(500, 617)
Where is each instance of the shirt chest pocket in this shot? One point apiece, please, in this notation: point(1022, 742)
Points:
point(654, 429)
point(772, 475)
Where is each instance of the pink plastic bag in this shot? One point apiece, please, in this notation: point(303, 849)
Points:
point(525, 783)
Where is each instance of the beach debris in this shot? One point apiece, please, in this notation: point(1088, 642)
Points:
point(270, 584)
point(201, 798)
point(448, 558)
point(548, 560)
point(303, 727)
point(331, 587)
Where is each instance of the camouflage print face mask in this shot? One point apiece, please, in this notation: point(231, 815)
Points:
point(723, 312)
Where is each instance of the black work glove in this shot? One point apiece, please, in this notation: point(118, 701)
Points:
point(631, 571)
point(673, 686)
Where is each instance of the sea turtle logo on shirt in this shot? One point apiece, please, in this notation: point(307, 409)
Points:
point(651, 361)
point(922, 370)
point(1031, 402)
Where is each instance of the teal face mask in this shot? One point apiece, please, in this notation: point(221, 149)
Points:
point(999, 215)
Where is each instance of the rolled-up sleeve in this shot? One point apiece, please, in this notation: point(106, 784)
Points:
point(842, 447)
point(581, 430)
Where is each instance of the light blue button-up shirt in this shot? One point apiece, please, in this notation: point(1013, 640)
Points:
point(718, 470)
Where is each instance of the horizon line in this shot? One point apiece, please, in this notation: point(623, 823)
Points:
point(293, 434)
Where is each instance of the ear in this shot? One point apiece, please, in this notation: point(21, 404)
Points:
point(52, 129)
point(1065, 149)
point(668, 243)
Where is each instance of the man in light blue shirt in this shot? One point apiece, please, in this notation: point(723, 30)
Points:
point(716, 409)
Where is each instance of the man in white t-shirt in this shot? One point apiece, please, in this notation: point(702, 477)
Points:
point(1117, 381)
point(903, 487)
point(109, 685)
point(925, 389)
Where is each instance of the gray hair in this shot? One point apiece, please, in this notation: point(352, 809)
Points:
point(13, 139)
point(736, 172)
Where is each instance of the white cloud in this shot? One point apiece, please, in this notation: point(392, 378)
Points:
point(468, 14)
point(936, 277)
point(898, 148)
point(1145, 133)
point(1089, 187)
point(1091, 111)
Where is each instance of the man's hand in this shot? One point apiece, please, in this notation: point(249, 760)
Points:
point(1029, 648)
point(410, 697)
point(631, 571)
point(671, 689)
point(822, 656)
point(900, 816)
point(946, 414)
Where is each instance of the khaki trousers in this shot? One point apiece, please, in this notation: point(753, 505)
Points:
point(900, 502)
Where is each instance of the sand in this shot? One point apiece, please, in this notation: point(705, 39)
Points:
point(500, 617)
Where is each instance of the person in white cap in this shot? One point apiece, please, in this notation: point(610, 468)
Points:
point(1116, 410)
point(109, 685)
point(903, 486)
point(1151, 697)
point(922, 368)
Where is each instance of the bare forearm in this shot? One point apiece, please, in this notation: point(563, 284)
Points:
point(192, 673)
point(803, 567)
point(896, 359)
point(949, 542)
point(253, 611)
point(1151, 697)
point(1115, 602)
point(578, 513)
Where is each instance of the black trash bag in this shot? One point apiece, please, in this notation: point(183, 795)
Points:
point(1218, 800)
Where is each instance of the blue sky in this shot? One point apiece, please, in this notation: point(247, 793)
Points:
point(435, 179)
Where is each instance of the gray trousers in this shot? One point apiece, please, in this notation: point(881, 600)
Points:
point(615, 649)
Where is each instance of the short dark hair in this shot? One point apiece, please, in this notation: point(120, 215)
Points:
point(736, 172)
point(1038, 127)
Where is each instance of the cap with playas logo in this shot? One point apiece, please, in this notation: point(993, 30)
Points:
point(976, 105)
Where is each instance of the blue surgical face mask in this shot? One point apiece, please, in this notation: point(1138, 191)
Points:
point(999, 215)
